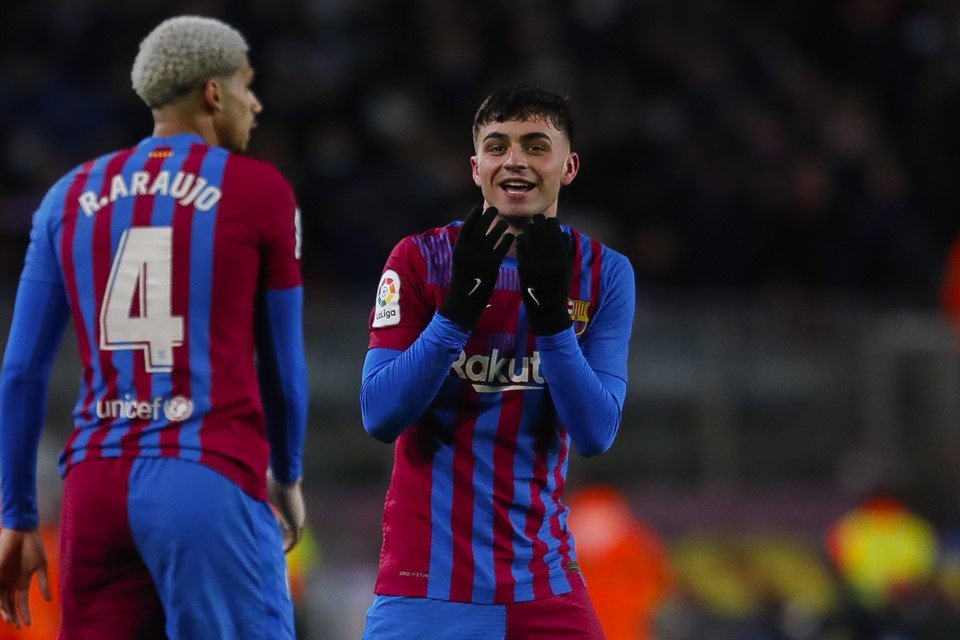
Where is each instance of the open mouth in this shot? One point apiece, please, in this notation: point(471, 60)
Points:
point(516, 188)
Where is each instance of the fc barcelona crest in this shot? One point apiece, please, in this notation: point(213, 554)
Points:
point(579, 310)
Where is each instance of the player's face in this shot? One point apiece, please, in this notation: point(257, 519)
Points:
point(240, 109)
point(520, 167)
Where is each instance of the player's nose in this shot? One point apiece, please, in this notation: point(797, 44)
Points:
point(515, 158)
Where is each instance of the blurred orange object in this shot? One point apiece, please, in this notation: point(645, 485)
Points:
point(623, 560)
point(46, 615)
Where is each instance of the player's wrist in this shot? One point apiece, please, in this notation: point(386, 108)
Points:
point(549, 322)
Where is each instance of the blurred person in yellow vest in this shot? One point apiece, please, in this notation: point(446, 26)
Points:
point(624, 561)
point(45, 615)
point(883, 550)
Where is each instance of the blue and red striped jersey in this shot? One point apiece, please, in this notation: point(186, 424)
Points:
point(474, 511)
point(163, 250)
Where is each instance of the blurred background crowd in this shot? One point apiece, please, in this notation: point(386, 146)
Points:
point(782, 176)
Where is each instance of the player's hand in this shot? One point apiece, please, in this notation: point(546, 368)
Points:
point(477, 255)
point(288, 499)
point(21, 555)
point(545, 263)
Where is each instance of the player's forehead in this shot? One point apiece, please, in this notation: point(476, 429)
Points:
point(537, 126)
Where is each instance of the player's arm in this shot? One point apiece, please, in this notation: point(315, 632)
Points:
point(398, 386)
point(40, 315)
point(401, 380)
point(588, 385)
point(281, 360)
point(282, 372)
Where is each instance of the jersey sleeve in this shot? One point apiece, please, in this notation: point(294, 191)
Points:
point(402, 307)
point(40, 315)
point(41, 264)
point(281, 358)
point(588, 380)
point(276, 205)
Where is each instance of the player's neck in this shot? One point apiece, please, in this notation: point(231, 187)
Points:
point(172, 126)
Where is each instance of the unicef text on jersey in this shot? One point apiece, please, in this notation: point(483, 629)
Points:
point(175, 409)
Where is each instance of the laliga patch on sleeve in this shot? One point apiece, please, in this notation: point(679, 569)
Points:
point(387, 310)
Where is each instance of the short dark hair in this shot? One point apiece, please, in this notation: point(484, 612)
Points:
point(524, 102)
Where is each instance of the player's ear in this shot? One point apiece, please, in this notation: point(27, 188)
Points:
point(475, 170)
point(212, 94)
point(570, 168)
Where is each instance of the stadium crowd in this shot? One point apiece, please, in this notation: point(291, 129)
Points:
point(732, 144)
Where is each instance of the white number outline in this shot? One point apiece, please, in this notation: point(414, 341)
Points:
point(143, 267)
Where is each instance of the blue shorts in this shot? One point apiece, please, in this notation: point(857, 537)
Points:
point(154, 545)
point(566, 617)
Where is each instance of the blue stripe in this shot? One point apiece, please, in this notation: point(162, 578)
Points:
point(162, 383)
point(87, 300)
point(523, 463)
point(123, 360)
point(559, 583)
point(586, 261)
point(441, 509)
point(484, 578)
point(202, 235)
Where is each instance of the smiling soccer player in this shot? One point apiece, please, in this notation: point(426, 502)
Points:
point(484, 365)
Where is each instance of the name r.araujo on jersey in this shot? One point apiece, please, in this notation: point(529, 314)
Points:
point(187, 188)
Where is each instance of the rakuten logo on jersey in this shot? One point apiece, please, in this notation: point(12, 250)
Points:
point(493, 374)
point(175, 409)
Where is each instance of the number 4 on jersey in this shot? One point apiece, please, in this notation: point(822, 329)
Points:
point(142, 272)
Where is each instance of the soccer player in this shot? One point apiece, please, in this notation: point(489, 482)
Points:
point(178, 259)
point(484, 364)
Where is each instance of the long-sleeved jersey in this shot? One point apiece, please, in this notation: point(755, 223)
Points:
point(483, 422)
point(178, 262)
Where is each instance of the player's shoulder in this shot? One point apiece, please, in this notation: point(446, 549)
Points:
point(612, 259)
point(77, 177)
point(256, 173)
point(434, 243)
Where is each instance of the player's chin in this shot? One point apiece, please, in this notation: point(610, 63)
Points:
point(515, 214)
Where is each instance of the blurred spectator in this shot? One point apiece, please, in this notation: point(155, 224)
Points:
point(886, 555)
point(624, 561)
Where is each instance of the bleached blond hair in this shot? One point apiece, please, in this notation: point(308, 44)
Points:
point(182, 51)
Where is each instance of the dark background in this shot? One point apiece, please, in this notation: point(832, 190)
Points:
point(782, 175)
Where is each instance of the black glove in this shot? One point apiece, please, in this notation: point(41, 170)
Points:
point(545, 262)
point(476, 265)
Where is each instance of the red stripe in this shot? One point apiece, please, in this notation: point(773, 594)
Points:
point(180, 303)
point(142, 217)
point(537, 511)
point(102, 260)
point(504, 450)
point(461, 525)
point(71, 207)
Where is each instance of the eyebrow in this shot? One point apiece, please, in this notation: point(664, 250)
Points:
point(536, 135)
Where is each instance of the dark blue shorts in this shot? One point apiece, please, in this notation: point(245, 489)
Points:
point(162, 547)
